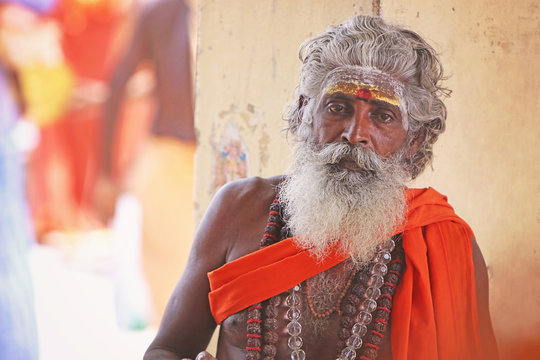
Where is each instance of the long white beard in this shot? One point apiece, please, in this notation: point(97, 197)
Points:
point(324, 202)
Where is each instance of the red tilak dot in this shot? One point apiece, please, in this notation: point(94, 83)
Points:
point(364, 94)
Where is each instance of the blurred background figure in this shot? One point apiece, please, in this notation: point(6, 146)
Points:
point(55, 72)
point(18, 332)
point(160, 179)
point(64, 167)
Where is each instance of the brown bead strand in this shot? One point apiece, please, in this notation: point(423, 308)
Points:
point(381, 316)
point(254, 335)
point(350, 307)
point(272, 232)
point(261, 342)
point(270, 334)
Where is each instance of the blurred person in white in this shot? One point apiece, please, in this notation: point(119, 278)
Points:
point(18, 333)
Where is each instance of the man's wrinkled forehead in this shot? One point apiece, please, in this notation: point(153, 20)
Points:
point(366, 83)
point(363, 76)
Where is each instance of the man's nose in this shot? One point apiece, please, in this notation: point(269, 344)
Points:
point(356, 130)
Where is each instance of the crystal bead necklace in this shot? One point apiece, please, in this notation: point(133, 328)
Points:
point(294, 328)
point(368, 305)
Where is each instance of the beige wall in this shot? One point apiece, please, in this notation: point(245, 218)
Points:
point(247, 69)
point(487, 162)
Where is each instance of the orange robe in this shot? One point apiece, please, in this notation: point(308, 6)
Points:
point(434, 312)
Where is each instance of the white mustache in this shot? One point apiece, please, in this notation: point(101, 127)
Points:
point(364, 159)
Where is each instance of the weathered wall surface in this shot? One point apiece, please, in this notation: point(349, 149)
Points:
point(247, 69)
point(486, 162)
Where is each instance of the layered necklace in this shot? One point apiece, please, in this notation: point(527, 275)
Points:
point(364, 304)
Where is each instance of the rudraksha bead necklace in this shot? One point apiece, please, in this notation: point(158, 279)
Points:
point(367, 304)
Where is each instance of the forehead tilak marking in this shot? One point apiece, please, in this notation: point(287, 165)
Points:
point(368, 76)
point(373, 79)
point(362, 90)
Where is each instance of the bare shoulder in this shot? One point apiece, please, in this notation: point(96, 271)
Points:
point(235, 219)
point(241, 194)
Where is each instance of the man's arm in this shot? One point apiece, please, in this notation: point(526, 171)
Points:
point(187, 324)
point(487, 337)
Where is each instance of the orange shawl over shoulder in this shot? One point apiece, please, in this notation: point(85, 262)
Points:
point(434, 312)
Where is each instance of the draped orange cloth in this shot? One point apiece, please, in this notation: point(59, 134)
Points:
point(434, 313)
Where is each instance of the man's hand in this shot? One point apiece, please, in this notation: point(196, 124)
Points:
point(205, 355)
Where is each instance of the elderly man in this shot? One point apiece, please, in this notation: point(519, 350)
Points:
point(338, 259)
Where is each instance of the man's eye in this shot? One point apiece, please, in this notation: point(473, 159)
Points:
point(336, 108)
point(384, 118)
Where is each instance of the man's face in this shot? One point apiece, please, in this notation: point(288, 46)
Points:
point(367, 115)
point(346, 181)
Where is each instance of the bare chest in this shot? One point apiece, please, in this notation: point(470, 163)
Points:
point(316, 318)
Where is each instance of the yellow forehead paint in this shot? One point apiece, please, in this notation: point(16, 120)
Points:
point(364, 91)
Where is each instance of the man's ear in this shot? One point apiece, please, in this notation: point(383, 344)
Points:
point(415, 144)
point(302, 103)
